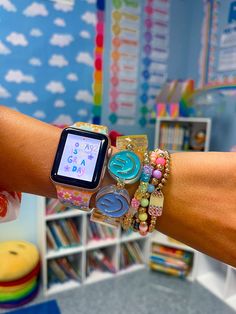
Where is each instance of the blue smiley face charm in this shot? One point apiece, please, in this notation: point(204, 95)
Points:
point(125, 166)
point(113, 202)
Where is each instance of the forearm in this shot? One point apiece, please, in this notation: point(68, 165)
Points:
point(27, 149)
point(200, 203)
point(200, 198)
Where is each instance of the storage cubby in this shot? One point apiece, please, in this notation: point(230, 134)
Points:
point(183, 134)
point(132, 253)
point(101, 263)
point(64, 272)
point(63, 234)
point(97, 242)
point(99, 234)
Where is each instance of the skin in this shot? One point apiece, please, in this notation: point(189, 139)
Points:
point(200, 198)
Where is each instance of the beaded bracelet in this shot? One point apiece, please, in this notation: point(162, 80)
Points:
point(149, 195)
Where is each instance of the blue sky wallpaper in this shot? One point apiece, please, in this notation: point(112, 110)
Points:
point(46, 58)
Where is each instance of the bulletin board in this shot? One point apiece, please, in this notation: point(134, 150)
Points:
point(221, 66)
point(47, 58)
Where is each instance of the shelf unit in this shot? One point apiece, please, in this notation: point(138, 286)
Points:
point(179, 134)
point(217, 277)
point(162, 239)
point(111, 247)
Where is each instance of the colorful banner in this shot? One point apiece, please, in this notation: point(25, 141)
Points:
point(125, 34)
point(98, 62)
point(154, 56)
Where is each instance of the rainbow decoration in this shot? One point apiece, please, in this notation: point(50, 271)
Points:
point(98, 62)
point(187, 91)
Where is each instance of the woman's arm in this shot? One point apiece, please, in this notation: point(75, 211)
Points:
point(200, 203)
point(200, 198)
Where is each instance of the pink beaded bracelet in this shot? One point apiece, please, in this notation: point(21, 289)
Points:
point(147, 203)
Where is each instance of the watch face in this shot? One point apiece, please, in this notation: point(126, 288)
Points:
point(80, 158)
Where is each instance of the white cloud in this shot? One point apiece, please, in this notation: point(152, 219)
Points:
point(85, 96)
point(36, 32)
point(85, 34)
point(82, 112)
point(72, 77)
point(4, 93)
point(35, 9)
point(63, 119)
point(16, 76)
point(58, 61)
point(27, 97)
point(7, 5)
point(63, 7)
point(39, 114)
point(59, 103)
point(4, 50)
point(61, 40)
point(89, 18)
point(55, 87)
point(35, 62)
point(17, 39)
point(85, 57)
point(59, 22)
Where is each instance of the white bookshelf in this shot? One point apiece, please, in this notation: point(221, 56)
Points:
point(170, 132)
point(111, 246)
point(219, 278)
point(162, 239)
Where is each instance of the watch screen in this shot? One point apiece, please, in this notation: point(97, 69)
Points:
point(79, 157)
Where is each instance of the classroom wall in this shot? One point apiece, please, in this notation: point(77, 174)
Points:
point(25, 226)
point(185, 32)
point(46, 57)
point(223, 116)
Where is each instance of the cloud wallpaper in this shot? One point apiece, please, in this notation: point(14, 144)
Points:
point(46, 58)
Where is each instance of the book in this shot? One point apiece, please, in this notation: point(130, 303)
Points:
point(65, 227)
point(73, 230)
point(64, 240)
point(54, 234)
point(68, 269)
point(58, 272)
point(50, 239)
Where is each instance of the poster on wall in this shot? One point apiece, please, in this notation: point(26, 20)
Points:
point(125, 34)
point(138, 45)
point(47, 58)
point(222, 46)
point(154, 57)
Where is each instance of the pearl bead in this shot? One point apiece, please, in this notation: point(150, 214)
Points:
point(150, 188)
point(144, 202)
point(143, 217)
point(157, 174)
point(163, 181)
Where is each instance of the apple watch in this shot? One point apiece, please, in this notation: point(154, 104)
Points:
point(80, 163)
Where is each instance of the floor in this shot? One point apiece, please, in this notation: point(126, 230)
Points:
point(141, 292)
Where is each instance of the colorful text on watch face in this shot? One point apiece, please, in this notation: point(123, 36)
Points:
point(79, 157)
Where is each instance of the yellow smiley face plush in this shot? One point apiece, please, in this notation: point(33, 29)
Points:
point(17, 259)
